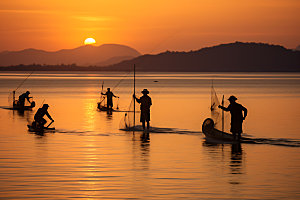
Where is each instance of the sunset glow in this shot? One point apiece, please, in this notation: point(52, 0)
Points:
point(89, 41)
point(148, 26)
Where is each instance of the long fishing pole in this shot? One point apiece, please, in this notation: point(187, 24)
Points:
point(223, 114)
point(120, 81)
point(134, 97)
point(14, 91)
point(23, 81)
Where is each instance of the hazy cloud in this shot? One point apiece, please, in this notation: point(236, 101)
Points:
point(91, 18)
point(27, 11)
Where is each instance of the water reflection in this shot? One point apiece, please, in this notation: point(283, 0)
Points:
point(229, 156)
point(236, 163)
point(23, 115)
point(141, 153)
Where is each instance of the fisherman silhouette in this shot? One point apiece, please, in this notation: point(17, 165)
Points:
point(145, 102)
point(39, 116)
point(109, 98)
point(22, 98)
point(237, 118)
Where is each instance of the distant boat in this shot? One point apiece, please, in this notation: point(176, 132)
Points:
point(16, 104)
point(102, 105)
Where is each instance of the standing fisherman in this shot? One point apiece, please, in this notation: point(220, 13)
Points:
point(109, 97)
point(237, 117)
point(145, 102)
point(22, 99)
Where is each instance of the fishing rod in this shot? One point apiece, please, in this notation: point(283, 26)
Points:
point(121, 80)
point(14, 91)
point(23, 81)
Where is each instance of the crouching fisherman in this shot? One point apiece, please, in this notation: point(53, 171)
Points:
point(237, 117)
point(145, 102)
point(39, 120)
point(22, 98)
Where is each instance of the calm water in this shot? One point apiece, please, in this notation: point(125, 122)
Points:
point(88, 156)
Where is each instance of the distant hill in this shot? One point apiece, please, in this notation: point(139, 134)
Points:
point(298, 48)
point(238, 56)
point(84, 56)
point(232, 57)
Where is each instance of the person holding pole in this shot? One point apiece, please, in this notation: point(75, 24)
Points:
point(146, 103)
point(236, 110)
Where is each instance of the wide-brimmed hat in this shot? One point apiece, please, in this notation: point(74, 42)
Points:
point(233, 98)
point(145, 91)
point(27, 92)
point(46, 105)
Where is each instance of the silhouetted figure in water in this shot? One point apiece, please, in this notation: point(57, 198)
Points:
point(39, 116)
point(22, 98)
point(145, 102)
point(237, 117)
point(109, 98)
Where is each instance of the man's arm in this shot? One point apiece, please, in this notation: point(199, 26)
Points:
point(245, 112)
point(137, 99)
point(28, 98)
point(49, 116)
point(224, 108)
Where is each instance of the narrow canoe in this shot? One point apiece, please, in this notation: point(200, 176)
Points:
point(213, 134)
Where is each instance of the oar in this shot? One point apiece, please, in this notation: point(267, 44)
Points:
point(49, 124)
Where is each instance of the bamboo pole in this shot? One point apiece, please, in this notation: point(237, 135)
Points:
point(134, 96)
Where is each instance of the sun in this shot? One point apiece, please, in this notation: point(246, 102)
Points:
point(89, 41)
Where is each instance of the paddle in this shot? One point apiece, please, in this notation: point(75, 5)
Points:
point(50, 124)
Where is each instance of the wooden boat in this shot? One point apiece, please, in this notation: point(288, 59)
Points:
point(213, 134)
point(40, 129)
point(16, 104)
point(103, 107)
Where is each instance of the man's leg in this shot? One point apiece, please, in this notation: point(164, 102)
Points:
point(148, 126)
point(43, 121)
point(234, 136)
point(239, 136)
point(143, 123)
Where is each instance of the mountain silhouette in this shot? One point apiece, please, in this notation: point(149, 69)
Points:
point(232, 57)
point(238, 56)
point(298, 48)
point(83, 56)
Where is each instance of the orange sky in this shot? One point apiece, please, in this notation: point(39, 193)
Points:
point(150, 26)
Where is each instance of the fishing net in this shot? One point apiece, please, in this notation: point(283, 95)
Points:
point(215, 111)
point(221, 118)
point(10, 99)
point(102, 105)
point(131, 118)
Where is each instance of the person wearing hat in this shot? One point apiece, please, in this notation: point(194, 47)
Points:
point(22, 99)
point(109, 99)
point(39, 115)
point(145, 102)
point(236, 110)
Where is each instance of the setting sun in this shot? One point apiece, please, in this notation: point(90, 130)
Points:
point(89, 41)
